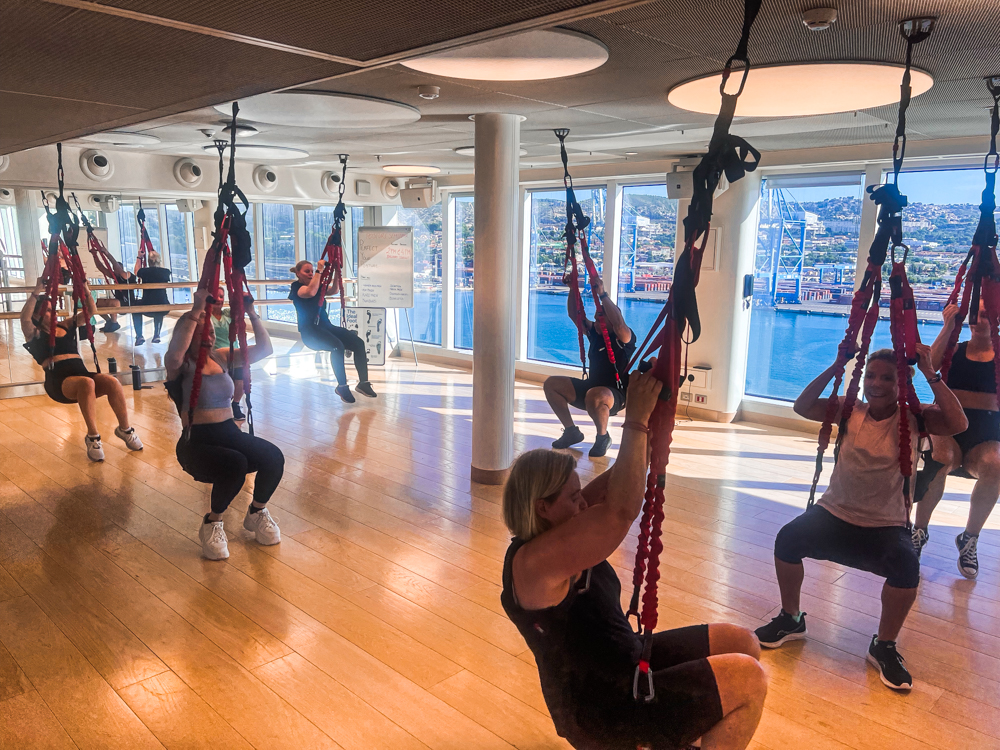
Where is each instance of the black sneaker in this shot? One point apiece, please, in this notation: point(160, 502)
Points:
point(601, 446)
point(156, 339)
point(920, 538)
point(344, 391)
point(238, 412)
point(889, 662)
point(968, 559)
point(110, 327)
point(781, 629)
point(570, 436)
point(140, 341)
point(365, 389)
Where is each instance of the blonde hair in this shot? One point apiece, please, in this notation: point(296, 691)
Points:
point(298, 266)
point(154, 259)
point(540, 473)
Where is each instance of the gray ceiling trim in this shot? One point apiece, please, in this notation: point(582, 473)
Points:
point(566, 16)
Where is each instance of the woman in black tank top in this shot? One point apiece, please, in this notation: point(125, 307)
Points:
point(67, 380)
point(972, 378)
point(565, 599)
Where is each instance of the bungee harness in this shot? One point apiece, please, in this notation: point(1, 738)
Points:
point(333, 252)
point(576, 228)
point(227, 257)
point(145, 244)
point(734, 157)
point(102, 258)
point(865, 305)
point(64, 232)
point(978, 278)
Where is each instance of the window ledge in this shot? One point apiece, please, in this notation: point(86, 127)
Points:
point(774, 412)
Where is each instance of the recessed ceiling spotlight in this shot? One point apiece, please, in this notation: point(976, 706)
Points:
point(428, 92)
point(631, 153)
point(122, 138)
point(260, 151)
point(819, 19)
point(471, 151)
point(803, 90)
point(242, 130)
point(409, 169)
point(529, 56)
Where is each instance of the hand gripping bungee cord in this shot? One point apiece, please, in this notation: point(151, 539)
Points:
point(64, 233)
point(228, 257)
point(102, 258)
point(576, 228)
point(865, 305)
point(333, 253)
point(734, 157)
point(978, 277)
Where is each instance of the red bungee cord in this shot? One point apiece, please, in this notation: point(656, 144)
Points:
point(734, 157)
point(576, 228)
point(864, 306)
point(333, 252)
point(145, 244)
point(102, 258)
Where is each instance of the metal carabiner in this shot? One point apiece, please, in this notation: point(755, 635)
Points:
point(649, 682)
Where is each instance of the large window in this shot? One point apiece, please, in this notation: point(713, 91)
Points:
point(278, 233)
point(551, 334)
point(128, 229)
point(465, 246)
point(807, 250)
point(427, 258)
point(251, 269)
point(179, 254)
point(11, 261)
point(646, 258)
point(318, 223)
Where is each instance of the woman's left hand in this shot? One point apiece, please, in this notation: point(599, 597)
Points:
point(924, 362)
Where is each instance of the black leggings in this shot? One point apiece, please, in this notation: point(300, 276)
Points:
point(222, 455)
point(335, 339)
point(157, 323)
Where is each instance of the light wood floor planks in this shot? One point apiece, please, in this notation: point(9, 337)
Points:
point(376, 622)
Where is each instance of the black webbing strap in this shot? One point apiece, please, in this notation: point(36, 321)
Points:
point(986, 232)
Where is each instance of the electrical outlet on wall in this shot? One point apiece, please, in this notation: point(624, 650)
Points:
point(699, 398)
point(685, 396)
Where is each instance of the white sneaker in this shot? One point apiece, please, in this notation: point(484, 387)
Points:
point(132, 441)
point(263, 526)
point(95, 451)
point(214, 544)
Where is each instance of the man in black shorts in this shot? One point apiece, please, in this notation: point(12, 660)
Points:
point(599, 395)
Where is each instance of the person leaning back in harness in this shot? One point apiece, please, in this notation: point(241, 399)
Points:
point(600, 395)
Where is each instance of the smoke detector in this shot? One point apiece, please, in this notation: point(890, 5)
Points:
point(819, 19)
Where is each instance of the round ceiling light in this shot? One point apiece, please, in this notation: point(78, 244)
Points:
point(409, 169)
point(121, 138)
point(324, 109)
point(260, 151)
point(802, 90)
point(471, 151)
point(530, 56)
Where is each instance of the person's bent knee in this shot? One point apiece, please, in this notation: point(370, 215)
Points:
point(945, 451)
point(988, 467)
point(905, 570)
point(741, 680)
point(725, 638)
point(787, 546)
point(600, 396)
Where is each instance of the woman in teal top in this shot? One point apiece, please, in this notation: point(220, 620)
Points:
point(221, 318)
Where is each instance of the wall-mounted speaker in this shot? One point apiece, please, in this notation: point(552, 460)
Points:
point(390, 188)
point(187, 172)
point(188, 205)
point(105, 203)
point(6, 196)
point(96, 165)
point(4, 163)
point(330, 182)
point(265, 178)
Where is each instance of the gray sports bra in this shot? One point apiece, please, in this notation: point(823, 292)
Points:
point(216, 390)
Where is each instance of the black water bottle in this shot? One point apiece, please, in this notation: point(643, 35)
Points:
point(112, 365)
point(136, 377)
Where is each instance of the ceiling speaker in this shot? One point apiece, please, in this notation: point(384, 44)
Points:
point(390, 188)
point(187, 172)
point(6, 196)
point(362, 188)
point(188, 205)
point(96, 165)
point(107, 204)
point(4, 163)
point(330, 182)
point(265, 178)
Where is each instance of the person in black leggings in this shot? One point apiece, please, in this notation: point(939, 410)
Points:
point(319, 334)
point(564, 597)
point(152, 274)
point(213, 449)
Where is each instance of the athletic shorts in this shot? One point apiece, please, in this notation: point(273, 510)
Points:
point(686, 704)
point(62, 369)
point(984, 427)
point(886, 551)
point(582, 386)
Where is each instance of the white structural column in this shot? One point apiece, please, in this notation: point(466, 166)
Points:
point(498, 138)
point(29, 234)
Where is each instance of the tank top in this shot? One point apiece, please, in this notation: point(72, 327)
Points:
point(308, 311)
point(154, 275)
point(38, 347)
point(584, 647)
point(969, 375)
point(601, 371)
point(216, 390)
point(866, 487)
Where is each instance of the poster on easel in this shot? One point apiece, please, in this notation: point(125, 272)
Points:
point(369, 324)
point(385, 267)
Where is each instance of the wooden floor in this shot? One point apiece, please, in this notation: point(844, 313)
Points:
point(376, 623)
